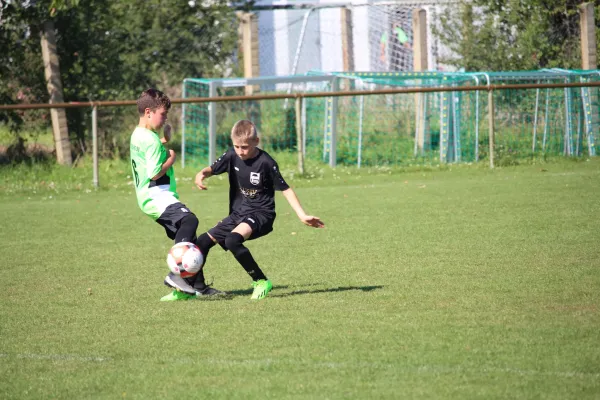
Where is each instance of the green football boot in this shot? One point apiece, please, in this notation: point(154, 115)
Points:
point(177, 295)
point(262, 287)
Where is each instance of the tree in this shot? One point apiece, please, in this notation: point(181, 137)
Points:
point(502, 35)
point(111, 50)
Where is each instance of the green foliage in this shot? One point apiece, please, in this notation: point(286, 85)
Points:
point(109, 50)
point(505, 35)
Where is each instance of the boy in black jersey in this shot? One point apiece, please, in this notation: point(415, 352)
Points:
point(253, 178)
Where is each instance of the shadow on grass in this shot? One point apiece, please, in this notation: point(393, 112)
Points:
point(331, 290)
point(247, 292)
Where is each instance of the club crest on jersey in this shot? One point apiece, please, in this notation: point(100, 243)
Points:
point(254, 178)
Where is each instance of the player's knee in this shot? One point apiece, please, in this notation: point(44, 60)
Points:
point(190, 221)
point(187, 228)
point(234, 243)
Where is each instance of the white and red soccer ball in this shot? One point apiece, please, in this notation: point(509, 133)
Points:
point(185, 259)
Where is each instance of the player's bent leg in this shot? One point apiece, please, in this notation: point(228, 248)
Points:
point(261, 289)
point(187, 229)
point(234, 242)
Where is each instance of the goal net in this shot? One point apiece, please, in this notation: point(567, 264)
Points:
point(295, 41)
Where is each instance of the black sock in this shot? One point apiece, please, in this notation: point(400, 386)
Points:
point(186, 232)
point(233, 242)
point(204, 243)
point(197, 281)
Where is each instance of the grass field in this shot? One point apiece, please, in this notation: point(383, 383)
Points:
point(447, 284)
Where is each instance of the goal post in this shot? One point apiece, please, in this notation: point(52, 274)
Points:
point(205, 126)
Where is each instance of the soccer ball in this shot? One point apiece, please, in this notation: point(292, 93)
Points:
point(185, 259)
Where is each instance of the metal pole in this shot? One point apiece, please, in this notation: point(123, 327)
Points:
point(304, 128)
point(443, 126)
point(476, 120)
point(212, 124)
point(477, 126)
point(546, 120)
point(456, 125)
point(417, 123)
point(491, 125)
point(579, 144)
point(333, 125)
point(361, 103)
point(588, 119)
point(326, 129)
point(95, 180)
point(535, 118)
point(299, 135)
point(183, 107)
point(568, 143)
point(425, 125)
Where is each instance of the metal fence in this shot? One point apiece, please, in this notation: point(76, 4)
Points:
point(391, 119)
point(403, 118)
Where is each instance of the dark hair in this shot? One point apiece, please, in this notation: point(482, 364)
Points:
point(152, 99)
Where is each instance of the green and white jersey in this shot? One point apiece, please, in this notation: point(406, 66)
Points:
point(147, 155)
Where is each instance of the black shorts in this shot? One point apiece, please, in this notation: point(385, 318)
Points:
point(170, 219)
point(261, 224)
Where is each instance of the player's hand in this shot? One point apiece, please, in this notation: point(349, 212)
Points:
point(167, 133)
point(200, 181)
point(313, 221)
point(172, 155)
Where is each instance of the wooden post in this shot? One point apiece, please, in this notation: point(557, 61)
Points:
point(299, 135)
point(491, 125)
point(589, 61)
point(419, 17)
point(249, 31)
point(249, 28)
point(588, 36)
point(55, 90)
point(419, 40)
point(347, 42)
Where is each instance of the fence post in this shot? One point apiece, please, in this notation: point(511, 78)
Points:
point(419, 20)
point(299, 134)
point(212, 124)
point(347, 42)
point(55, 90)
point(335, 85)
point(250, 50)
point(95, 145)
point(588, 36)
point(183, 106)
point(491, 124)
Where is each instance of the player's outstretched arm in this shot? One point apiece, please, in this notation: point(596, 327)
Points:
point(309, 220)
point(201, 176)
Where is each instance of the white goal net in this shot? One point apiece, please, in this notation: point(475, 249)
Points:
point(295, 41)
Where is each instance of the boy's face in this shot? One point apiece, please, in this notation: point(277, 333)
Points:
point(155, 120)
point(245, 148)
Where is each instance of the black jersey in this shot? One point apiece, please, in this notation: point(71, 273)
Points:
point(252, 183)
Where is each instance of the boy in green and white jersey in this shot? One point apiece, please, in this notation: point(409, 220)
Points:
point(156, 189)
